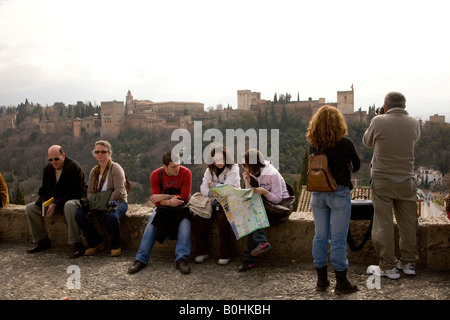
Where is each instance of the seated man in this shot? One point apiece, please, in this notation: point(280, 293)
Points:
point(63, 179)
point(171, 188)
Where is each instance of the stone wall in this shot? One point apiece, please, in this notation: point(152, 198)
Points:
point(290, 241)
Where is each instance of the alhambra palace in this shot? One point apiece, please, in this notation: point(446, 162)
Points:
point(116, 116)
point(146, 115)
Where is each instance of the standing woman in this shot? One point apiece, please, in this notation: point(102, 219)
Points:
point(106, 175)
point(328, 132)
point(221, 171)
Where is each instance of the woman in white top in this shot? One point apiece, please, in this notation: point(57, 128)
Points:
point(221, 171)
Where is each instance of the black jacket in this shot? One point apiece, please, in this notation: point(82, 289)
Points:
point(339, 157)
point(71, 184)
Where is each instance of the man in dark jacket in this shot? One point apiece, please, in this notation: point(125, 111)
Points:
point(63, 180)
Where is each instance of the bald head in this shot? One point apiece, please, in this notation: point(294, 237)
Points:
point(56, 156)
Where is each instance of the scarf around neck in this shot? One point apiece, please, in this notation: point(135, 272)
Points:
point(98, 186)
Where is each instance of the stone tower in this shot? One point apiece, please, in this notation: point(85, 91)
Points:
point(113, 117)
point(129, 101)
point(345, 101)
point(77, 128)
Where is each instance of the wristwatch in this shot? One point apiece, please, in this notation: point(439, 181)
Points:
point(167, 197)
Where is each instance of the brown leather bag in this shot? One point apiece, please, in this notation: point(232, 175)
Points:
point(319, 177)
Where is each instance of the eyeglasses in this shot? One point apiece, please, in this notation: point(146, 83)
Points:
point(100, 151)
point(54, 159)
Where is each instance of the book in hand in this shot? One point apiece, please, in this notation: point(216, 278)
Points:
point(46, 204)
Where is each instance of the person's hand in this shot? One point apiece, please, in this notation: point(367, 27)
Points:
point(246, 177)
point(157, 198)
point(261, 191)
point(50, 210)
point(175, 202)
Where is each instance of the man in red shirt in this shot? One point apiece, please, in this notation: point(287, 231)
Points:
point(171, 188)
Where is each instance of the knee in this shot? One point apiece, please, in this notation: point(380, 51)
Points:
point(70, 208)
point(185, 225)
point(29, 208)
point(111, 218)
point(80, 215)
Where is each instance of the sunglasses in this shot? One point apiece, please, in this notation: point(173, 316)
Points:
point(54, 159)
point(100, 151)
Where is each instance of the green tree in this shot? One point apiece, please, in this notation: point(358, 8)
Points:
point(20, 197)
point(304, 172)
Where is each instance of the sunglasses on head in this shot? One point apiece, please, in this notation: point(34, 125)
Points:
point(54, 159)
point(100, 151)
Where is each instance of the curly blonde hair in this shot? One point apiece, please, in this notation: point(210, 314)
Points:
point(326, 127)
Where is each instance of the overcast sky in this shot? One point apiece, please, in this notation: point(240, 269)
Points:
point(204, 51)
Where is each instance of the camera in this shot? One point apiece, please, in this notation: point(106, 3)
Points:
point(379, 110)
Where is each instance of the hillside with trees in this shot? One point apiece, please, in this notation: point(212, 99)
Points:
point(23, 151)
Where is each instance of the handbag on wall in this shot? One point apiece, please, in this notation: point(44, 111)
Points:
point(362, 209)
point(279, 213)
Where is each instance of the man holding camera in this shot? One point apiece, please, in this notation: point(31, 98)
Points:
point(393, 137)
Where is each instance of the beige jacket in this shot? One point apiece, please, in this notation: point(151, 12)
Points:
point(393, 136)
point(115, 181)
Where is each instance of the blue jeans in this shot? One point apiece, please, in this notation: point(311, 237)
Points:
point(182, 248)
point(331, 212)
point(112, 224)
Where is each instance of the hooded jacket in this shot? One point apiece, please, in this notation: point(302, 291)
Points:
point(271, 180)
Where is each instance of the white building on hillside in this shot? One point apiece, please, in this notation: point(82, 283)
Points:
point(430, 176)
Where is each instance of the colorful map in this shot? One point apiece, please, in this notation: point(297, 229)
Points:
point(243, 208)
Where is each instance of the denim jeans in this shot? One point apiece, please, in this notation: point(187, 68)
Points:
point(331, 212)
point(182, 248)
point(111, 221)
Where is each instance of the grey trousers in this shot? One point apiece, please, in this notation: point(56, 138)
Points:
point(37, 226)
point(400, 198)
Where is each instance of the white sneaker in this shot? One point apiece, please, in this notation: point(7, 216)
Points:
point(201, 258)
point(408, 268)
point(224, 261)
point(377, 271)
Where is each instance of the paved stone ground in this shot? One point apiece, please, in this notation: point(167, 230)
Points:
point(44, 276)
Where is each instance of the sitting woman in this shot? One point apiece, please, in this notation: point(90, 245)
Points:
point(221, 171)
point(266, 181)
point(107, 175)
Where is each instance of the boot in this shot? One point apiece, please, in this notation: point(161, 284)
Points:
point(322, 279)
point(343, 286)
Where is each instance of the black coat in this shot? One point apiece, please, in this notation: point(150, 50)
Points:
point(71, 184)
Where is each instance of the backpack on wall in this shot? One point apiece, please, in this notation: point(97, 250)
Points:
point(319, 178)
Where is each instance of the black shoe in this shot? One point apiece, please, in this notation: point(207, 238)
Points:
point(78, 250)
point(136, 267)
point(41, 245)
point(343, 286)
point(183, 265)
point(245, 266)
point(260, 248)
point(322, 279)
